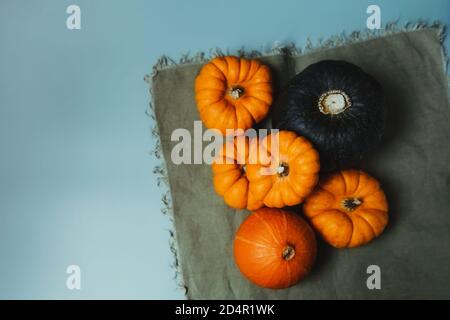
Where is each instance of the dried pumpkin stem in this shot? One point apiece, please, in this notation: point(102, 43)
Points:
point(350, 204)
point(283, 169)
point(288, 253)
point(236, 92)
point(334, 102)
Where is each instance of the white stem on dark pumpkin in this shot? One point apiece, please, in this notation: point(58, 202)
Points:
point(334, 102)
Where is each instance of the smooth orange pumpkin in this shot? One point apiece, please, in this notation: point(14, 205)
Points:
point(348, 209)
point(233, 93)
point(291, 174)
point(274, 248)
point(229, 173)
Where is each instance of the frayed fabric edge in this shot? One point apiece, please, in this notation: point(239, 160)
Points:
point(292, 49)
point(289, 49)
point(162, 180)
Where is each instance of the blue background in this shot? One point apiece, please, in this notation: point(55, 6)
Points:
point(76, 182)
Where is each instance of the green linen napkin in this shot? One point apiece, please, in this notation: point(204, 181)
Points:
point(413, 165)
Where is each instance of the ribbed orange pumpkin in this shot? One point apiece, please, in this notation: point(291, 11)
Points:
point(274, 248)
point(229, 171)
point(233, 93)
point(291, 174)
point(348, 209)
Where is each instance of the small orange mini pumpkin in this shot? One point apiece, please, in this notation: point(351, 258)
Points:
point(233, 93)
point(291, 174)
point(274, 248)
point(348, 209)
point(229, 171)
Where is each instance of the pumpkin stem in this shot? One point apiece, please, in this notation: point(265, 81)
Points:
point(283, 169)
point(288, 253)
point(334, 102)
point(350, 204)
point(236, 92)
point(244, 168)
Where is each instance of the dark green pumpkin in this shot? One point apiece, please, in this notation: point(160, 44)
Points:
point(338, 107)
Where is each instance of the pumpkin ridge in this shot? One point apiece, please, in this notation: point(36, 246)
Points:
point(359, 180)
point(304, 149)
point(307, 188)
point(354, 233)
point(206, 110)
point(288, 147)
point(292, 188)
point(257, 98)
point(237, 180)
point(243, 65)
point(374, 211)
point(242, 115)
point(234, 66)
point(230, 120)
point(262, 97)
point(259, 244)
point(215, 68)
point(344, 183)
point(368, 223)
point(274, 264)
point(227, 170)
point(346, 216)
point(225, 71)
point(329, 192)
point(285, 224)
point(346, 178)
point(249, 86)
point(304, 231)
point(209, 101)
point(268, 228)
point(211, 90)
point(250, 75)
point(254, 67)
point(303, 267)
point(260, 177)
point(261, 75)
point(381, 216)
point(248, 105)
point(224, 174)
point(241, 105)
point(288, 272)
point(306, 163)
point(377, 192)
point(210, 75)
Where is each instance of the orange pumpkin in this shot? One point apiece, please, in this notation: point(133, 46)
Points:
point(274, 248)
point(233, 93)
point(348, 209)
point(289, 176)
point(229, 171)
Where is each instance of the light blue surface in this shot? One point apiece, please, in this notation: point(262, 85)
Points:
point(76, 183)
